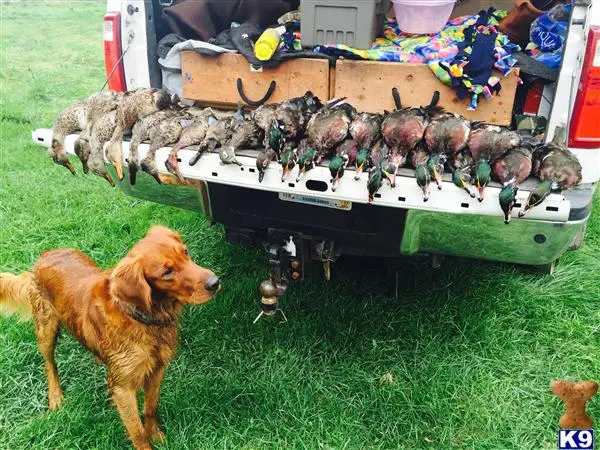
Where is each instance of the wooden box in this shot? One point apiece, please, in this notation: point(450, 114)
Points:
point(214, 79)
point(368, 86)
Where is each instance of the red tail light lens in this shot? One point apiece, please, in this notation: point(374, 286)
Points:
point(584, 131)
point(112, 52)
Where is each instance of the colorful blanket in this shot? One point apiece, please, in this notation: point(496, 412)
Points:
point(448, 53)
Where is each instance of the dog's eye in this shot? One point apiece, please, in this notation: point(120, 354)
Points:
point(186, 251)
point(168, 272)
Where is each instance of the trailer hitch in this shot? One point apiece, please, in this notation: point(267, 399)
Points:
point(285, 264)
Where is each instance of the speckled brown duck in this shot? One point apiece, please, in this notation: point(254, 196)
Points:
point(166, 133)
point(101, 133)
point(134, 105)
point(96, 106)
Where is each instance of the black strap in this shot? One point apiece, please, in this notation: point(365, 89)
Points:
point(260, 102)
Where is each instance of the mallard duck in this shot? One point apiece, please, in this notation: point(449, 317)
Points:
point(419, 158)
point(557, 168)
point(345, 154)
point(365, 129)
point(329, 126)
point(511, 170)
point(96, 106)
point(292, 115)
point(307, 160)
point(265, 118)
point(488, 143)
point(133, 106)
point(402, 130)
point(190, 135)
point(101, 133)
point(141, 132)
point(379, 155)
point(462, 164)
point(288, 160)
point(446, 135)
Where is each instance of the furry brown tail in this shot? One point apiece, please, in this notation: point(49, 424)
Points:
point(16, 294)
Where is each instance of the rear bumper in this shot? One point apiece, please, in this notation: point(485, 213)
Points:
point(379, 231)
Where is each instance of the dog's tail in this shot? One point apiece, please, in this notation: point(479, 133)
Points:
point(17, 293)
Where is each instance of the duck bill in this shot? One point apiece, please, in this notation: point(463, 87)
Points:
point(301, 174)
point(438, 178)
point(335, 183)
point(69, 166)
point(119, 168)
point(371, 196)
point(392, 178)
point(132, 173)
point(261, 175)
point(425, 193)
point(108, 178)
point(194, 159)
point(284, 175)
point(359, 171)
point(525, 210)
point(507, 217)
point(480, 191)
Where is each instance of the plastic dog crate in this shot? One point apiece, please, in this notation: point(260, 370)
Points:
point(351, 22)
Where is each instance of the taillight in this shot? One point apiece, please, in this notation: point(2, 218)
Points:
point(584, 131)
point(112, 52)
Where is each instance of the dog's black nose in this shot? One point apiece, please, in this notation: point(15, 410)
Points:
point(212, 284)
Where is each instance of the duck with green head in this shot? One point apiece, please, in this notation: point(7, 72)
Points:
point(511, 170)
point(557, 168)
point(420, 160)
point(362, 162)
point(446, 135)
point(308, 158)
point(435, 167)
point(345, 154)
point(379, 154)
point(460, 179)
point(488, 143)
point(461, 164)
point(375, 181)
point(287, 160)
point(481, 179)
point(365, 129)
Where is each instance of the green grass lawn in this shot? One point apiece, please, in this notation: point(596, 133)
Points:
point(471, 349)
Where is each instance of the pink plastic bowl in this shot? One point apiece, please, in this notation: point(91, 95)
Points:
point(422, 16)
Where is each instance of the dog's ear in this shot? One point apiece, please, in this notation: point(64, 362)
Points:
point(128, 283)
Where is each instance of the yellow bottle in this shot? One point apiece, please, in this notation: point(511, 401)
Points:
point(268, 42)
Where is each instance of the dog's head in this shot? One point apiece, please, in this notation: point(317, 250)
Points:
point(159, 268)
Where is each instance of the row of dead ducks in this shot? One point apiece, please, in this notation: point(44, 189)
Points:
point(304, 132)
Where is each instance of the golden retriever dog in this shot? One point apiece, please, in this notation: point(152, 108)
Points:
point(126, 316)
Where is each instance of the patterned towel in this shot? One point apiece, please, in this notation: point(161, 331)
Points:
point(447, 52)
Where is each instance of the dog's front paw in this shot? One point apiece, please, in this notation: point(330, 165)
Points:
point(158, 437)
point(153, 431)
point(55, 399)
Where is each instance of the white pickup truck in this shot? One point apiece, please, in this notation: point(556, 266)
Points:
point(399, 222)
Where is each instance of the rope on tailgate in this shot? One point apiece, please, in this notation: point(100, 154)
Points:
point(129, 39)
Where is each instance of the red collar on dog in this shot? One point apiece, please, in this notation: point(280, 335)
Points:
point(142, 317)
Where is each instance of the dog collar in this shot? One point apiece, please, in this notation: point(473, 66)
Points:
point(142, 317)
